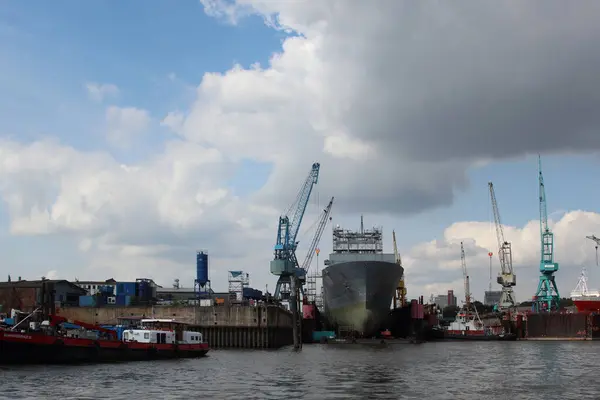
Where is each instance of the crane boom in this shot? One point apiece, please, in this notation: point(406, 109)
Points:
point(465, 277)
point(506, 278)
point(317, 238)
point(597, 241)
point(400, 294)
point(285, 261)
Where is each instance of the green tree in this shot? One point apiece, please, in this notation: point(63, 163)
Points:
point(450, 311)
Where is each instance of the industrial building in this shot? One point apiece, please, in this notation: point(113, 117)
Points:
point(25, 295)
point(445, 300)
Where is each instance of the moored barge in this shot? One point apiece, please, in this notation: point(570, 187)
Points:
point(48, 342)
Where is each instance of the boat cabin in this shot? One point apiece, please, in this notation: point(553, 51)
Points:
point(466, 322)
point(162, 331)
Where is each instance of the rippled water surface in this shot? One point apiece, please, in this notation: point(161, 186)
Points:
point(514, 370)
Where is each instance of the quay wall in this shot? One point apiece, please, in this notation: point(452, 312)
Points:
point(221, 326)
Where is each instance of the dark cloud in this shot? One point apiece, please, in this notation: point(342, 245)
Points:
point(438, 86)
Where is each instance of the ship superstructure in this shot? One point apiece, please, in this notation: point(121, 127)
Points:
point(359, 280)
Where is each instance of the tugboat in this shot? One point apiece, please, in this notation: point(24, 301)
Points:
point(468, 326)
point(51, 341)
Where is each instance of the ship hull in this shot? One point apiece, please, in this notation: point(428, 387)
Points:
point(34, 348)
point(592, 305)
point(357, 294)
point(454, 335)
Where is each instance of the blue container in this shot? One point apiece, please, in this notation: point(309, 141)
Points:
point(87, 301)
point(201, 268)
point(126, 288)
point(120, 300)
point(9, 321)
point(143, 290)
point(106, 290)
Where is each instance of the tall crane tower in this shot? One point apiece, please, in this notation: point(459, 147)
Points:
point(463, 263)
point(506, 277)
point(546, 297)
point(597, 241)
point(400, 293)
point(285, 263)
point(312, 250)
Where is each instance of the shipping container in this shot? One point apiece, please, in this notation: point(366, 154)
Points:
point(201, 268)
point(87, 301)
point(123, 300)
point(126, 288)
point(206, 302)
point(100, 300)
point(308, 311)
point(106, 290)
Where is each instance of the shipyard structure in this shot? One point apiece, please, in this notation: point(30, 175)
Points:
point(359, 281)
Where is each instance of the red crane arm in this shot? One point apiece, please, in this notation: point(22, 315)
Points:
point(57, 319)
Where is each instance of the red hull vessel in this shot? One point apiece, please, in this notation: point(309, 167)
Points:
point(590, 305)
point(166, 340)
point(35, 348)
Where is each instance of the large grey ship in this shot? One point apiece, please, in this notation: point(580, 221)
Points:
point(359, 281)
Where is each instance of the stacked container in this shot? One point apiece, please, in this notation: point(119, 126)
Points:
point(126, 288)
point(87, 301)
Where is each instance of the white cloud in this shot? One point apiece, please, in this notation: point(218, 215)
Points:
point(125, 124)
point(435, 267)
point(99, 91)
point(396, 108)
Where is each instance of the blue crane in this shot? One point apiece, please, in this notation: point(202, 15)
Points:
point(546, 297)
point(285, 264)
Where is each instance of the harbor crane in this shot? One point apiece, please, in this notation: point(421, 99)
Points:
point(400, 293)
point(506, 277)
point(546, 297)
point(312, 250)
point(597, 241)
point(463, 263)
point(285, 263)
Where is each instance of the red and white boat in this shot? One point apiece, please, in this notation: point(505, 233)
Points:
point(48, 342)
point(468, 326)
point(583, 298)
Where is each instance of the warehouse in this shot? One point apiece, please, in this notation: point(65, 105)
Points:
point(25, 295)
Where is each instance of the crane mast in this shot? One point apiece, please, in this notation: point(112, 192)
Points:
point(546, 297)
point(597, 241)
point(400, 294)
point(285, 263)
point(466, 278)
point(317, 238)
point(506, 277)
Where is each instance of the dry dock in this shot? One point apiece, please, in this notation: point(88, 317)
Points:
point(259, 327)
point(558, 326)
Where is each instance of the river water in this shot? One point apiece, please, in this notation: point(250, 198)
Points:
point(444, 370)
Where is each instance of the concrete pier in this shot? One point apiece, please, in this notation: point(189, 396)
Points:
point(221, 326)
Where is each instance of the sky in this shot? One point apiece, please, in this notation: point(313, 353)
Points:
point(132, 135)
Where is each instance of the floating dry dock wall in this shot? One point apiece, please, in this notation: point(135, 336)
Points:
point(558, 326)
point(222, 326)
